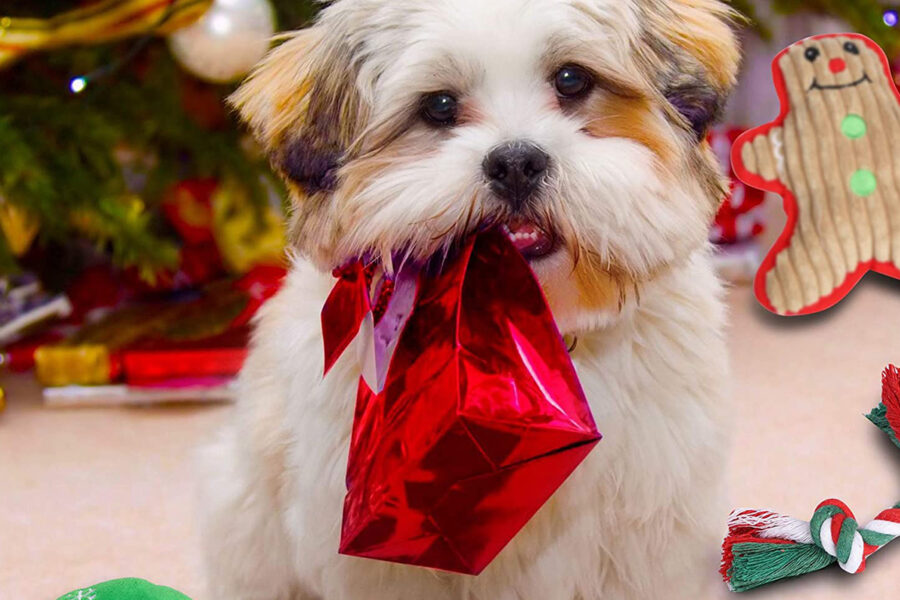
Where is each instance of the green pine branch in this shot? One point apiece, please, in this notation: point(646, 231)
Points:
point(864, 16)
point(62, 152)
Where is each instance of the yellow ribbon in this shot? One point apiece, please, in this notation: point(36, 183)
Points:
point(98, 23)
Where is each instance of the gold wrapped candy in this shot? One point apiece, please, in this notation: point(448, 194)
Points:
point(73, 365)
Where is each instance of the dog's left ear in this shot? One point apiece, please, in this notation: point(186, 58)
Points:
point(303, 105)
point(695, 56)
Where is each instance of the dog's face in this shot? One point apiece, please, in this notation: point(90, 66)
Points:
point(402, 126)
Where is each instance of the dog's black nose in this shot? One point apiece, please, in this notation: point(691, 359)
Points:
point(515, 170)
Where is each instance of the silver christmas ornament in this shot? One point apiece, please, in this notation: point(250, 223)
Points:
point(225, 43)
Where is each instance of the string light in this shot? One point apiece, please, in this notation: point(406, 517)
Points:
point(77, 85)
point(891, 18)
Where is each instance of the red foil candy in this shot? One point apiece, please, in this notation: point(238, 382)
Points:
point(481, 419)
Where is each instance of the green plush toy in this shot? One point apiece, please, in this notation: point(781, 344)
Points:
point(125, 589)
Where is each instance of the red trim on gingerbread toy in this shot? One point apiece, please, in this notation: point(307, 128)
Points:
point(790, 202)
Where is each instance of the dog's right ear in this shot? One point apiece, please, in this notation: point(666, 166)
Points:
point(303, 105)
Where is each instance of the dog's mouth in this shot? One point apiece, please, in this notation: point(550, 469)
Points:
point(531, 240)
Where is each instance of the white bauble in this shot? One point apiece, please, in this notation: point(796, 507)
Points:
point(227, 41)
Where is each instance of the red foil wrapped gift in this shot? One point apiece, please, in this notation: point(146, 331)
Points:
point(481, 417)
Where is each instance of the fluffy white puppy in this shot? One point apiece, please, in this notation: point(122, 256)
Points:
point(401, 126)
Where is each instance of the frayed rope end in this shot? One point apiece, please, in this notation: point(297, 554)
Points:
point(887, 415)
point(764, 547)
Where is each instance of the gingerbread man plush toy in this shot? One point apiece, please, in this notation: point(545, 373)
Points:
point(831, 155)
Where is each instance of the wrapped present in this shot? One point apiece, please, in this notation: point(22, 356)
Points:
point(24, 305)
point(205, 334)
point(481, 417)
point(160, 359)
point(197, 390)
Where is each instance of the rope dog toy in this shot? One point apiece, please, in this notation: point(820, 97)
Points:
point(763, 547)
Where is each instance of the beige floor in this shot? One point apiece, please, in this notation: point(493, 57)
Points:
point(88, 495)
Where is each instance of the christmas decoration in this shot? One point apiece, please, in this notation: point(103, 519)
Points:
point(246, 235)
point(505, 421)
point(98, 23)
point(222, 230)
point(125, 589)
point(203, 336)
point(829, 155)
point(887, 415)
point(18, 356)
point(188, 208)
point(24, 304)
point(868, 17)
point(227, 41)
point(739, 221)
point(764, 547)
point(18, 228)
point(193, 390)
point(740, 216)
point(76, 164)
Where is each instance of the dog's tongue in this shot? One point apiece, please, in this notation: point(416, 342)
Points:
point(529, 239)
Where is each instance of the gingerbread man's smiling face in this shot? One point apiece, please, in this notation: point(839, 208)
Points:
point(830, 65)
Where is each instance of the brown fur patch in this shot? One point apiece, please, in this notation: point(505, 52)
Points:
point(302, 103)
point(276, 95)
point(612, 115)
point(600, 286)
point(700, 27)
point(713, 182)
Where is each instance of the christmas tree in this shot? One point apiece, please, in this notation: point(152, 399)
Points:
point(869, 17)
point(96, 123)
point(95, 127)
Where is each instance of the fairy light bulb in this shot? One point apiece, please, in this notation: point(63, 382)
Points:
point(77, 85)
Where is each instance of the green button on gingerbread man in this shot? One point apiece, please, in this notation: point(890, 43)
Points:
point(834, 155)
point(863, 182)
point(854, 127)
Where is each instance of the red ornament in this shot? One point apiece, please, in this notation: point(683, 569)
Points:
point(481, 419)
point(188, 208)
point(260, 284)
point(740, 218)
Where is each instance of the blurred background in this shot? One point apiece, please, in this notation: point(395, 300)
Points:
point(132, 202)
point(141, 228)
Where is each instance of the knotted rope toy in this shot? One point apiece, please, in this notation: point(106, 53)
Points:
point(763, 547)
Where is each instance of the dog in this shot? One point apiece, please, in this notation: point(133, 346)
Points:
point(403, 126)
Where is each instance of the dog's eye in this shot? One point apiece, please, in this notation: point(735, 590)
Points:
point(812, 54)
point(572, 81)
point(440, 108)
point(851, 48)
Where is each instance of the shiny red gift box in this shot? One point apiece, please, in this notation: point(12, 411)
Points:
point(480, 420)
